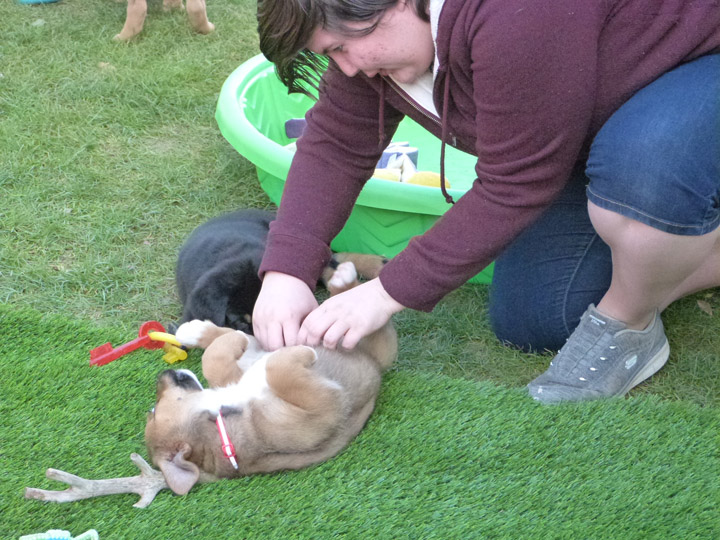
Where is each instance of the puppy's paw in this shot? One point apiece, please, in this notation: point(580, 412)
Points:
point(345, 277)
point(206, 28)
point(368, 266)
point(302, 354)
point(191, 333)
point(308, 356)
point(298, 355)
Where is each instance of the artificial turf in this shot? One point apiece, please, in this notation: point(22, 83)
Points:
point(439, 458)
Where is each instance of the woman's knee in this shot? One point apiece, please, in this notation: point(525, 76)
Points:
point(533, 320)
point(655, 160)
point(540, 291)
point(545, 280)
point(519, 327)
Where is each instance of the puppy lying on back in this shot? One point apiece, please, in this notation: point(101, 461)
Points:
point(286, 409)
point(217, 268)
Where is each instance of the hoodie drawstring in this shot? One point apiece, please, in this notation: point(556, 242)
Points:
point(443, 137)
point(381, 119)
point(443, 131)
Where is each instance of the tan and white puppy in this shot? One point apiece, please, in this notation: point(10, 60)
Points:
point(286, 409)
point(137, 10)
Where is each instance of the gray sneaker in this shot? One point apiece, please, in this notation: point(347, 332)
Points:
point(602, 358)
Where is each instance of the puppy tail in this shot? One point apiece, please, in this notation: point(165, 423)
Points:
point(199, 334)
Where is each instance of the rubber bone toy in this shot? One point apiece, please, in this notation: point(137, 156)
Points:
point(151, 335)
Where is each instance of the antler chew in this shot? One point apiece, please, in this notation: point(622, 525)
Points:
point(147, 484)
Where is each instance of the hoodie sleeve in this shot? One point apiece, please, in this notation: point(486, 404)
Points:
point(532, 76)
point(335, 157)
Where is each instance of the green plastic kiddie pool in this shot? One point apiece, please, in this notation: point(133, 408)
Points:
point(252, 110)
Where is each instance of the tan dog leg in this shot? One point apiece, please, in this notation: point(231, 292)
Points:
point(219, 361)
point(197, 13)
point(368, 266)
point(197, 333)
point(223, 347)
point(317, 401)
point(343, 278)
point(290, 378)
point(136, 11)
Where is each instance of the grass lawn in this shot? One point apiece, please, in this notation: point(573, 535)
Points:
point(109, 157)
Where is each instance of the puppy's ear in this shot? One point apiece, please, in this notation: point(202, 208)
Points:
point(180, 474)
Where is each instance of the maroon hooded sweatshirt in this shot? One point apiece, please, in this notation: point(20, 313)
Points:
point(524, 85)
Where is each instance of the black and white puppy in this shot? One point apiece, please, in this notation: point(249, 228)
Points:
point(217, 269)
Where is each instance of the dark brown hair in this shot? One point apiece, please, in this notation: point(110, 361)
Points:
point(286, 26)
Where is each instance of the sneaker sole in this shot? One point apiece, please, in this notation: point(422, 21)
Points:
point(652, 367)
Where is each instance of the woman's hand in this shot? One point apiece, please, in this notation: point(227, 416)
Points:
point(281, 306)
point(349, 316)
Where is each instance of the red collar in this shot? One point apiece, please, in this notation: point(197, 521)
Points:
point(228, 449)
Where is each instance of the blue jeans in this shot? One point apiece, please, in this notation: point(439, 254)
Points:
point(656, 160)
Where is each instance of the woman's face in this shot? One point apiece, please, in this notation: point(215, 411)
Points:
point(401, 46)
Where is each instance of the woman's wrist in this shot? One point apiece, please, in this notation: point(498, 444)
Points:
point(274, 276)
point(392, 305)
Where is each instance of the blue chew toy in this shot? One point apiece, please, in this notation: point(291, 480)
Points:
point(57, 534)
